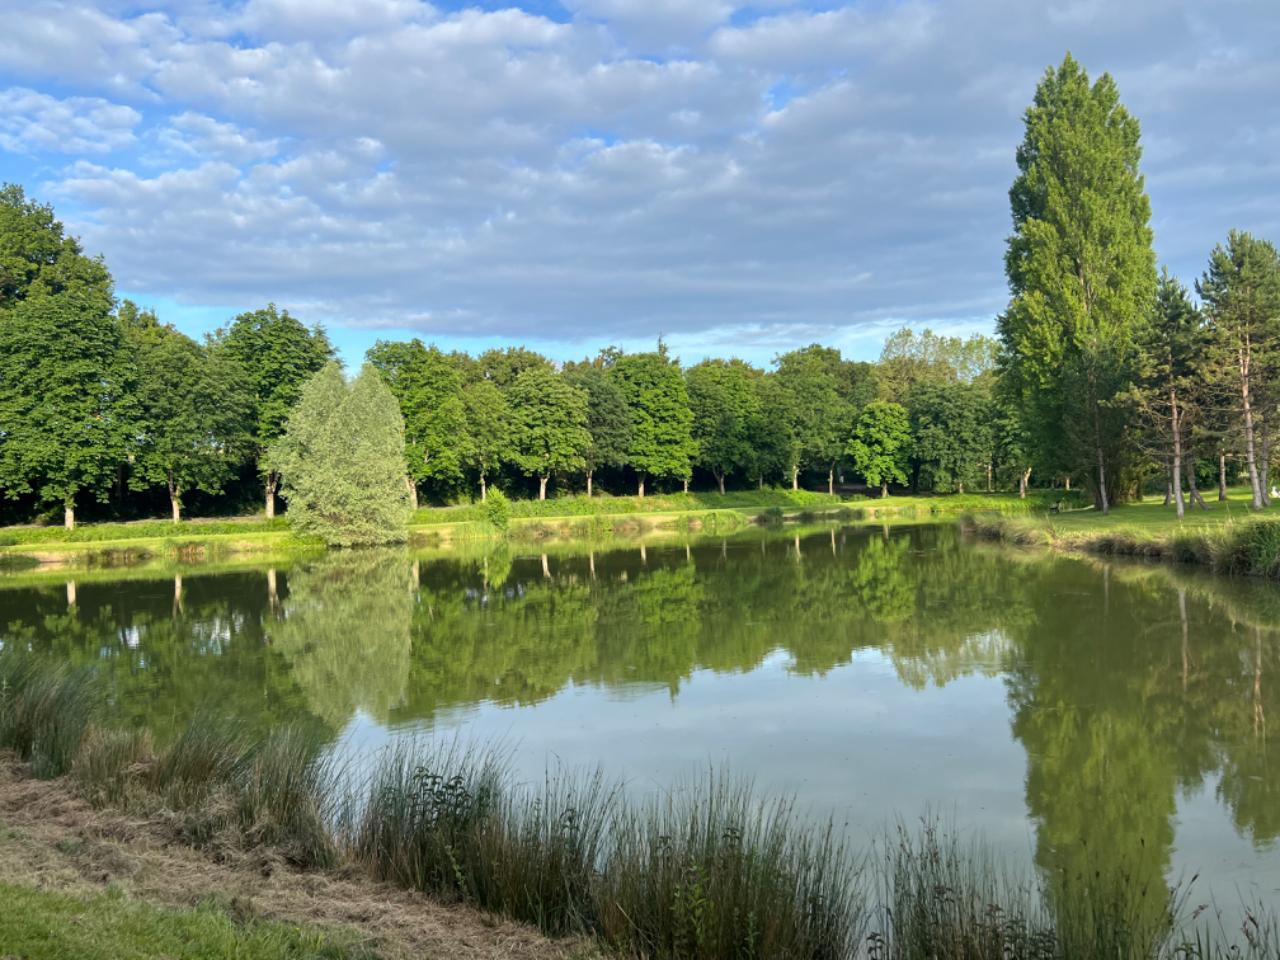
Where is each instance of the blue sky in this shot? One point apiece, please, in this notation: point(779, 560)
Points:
point(738, 178)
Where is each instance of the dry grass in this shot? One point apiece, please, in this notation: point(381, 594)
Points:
point(53, 839)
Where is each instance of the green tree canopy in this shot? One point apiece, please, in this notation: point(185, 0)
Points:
point(278, 354)
point(191, 412)
point(725, 408)
point(909, 359)
point(63, 374)
point(549, 425)
point(608, 418)
point(1081, 272)
point(38, 259)
point(879, 444)
point(819, 415)
point(428, 385)
point(64, 386)
point(1241, 294)
point(342, 460)
point(489, 429)
point(951, 433)
point(662, 442)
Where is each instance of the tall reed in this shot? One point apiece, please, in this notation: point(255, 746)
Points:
point(44, 711)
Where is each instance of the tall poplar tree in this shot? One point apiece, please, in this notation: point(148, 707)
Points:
point(1081, 272)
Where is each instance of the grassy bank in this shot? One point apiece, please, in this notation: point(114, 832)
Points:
point(708, 870)
point(46, 925)
point(563, 518)
point(1227, 537)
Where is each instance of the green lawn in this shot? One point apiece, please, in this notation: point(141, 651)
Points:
point(1152, 517)
point(39, 925)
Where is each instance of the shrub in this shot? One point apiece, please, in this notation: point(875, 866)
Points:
point(497, 510)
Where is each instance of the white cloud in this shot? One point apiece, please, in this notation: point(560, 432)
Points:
point(32, 121)
point(694, 167)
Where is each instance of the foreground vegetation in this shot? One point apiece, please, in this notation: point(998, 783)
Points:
point(46, 925)
point(708, 870)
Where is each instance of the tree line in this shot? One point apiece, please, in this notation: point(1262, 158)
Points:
point(1103, 372)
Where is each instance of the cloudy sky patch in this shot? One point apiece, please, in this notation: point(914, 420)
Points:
point(739, 177)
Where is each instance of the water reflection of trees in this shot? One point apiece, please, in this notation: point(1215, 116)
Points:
point(345, 632)
point(165, 648)
point(1126, 684)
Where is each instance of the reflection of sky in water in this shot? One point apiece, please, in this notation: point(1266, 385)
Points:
point(855, 745)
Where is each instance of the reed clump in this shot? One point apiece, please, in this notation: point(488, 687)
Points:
point(44, 712)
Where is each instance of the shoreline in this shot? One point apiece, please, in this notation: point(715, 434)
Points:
point(1249, 546)
point(113, 546)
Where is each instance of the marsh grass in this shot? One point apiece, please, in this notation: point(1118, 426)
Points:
point(108, 764)
point(710, 870)
point(286, 796)
point(44, 712)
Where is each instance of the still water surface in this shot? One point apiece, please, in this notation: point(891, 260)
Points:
point(1074, 713)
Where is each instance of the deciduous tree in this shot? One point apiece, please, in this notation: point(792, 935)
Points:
point(725, 408)
point(342, 461)
point(662, 442)
point(279, 354)
point(550, 425)
point(880, 444)
point(1241, 294)
point(192, 412)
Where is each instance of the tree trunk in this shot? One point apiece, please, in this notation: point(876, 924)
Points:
point(686, 484)
point(1067, 487)
point(542, 488)
point(175, 505)
point(640, 491)
point(1192, 490)
point(269, 488)
point(990, 478)
point(1246, 407)
point(69, 516)
point(720, 482)
point(1176, 473)
point(413, 491)
point(831, 482)
point(1264, 463)
point(1103, 502)
point(1024, 476)
point(884, 489)
point(484, 488)
point(760, 480)
point(960, 487)
point(1168, 484)
point(1222, 475)
point(589, 473)
point(795, 478)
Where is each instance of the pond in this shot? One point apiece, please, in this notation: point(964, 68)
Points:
point(1071, 712)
